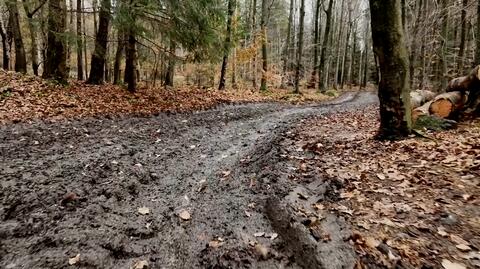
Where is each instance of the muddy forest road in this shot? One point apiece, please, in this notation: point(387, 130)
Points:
point(75, 187)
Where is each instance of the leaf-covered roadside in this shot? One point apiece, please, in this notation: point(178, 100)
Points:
point(24, 98)
point(410, 203)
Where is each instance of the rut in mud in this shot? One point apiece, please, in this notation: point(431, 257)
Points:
point(221, 166)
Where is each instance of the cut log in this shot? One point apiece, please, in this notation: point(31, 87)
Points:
point(421, 111)
point(420, 97)
point(444, 105)
point(468, 84)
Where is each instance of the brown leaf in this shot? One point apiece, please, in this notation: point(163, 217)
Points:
point(184, 215)
point(450, 265)
point(74, 260)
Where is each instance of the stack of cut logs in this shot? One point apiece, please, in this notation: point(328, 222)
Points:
point(462, 93)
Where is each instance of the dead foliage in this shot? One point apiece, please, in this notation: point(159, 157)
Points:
point(412, 203)
point(24, 98)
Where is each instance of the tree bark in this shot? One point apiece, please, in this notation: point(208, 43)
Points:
point(20, 58)
point(97, 69)
point(263, 85)
point(477, 41)
point(80, 75)
point(254, 41)
point(316, 40)
point(5, 48)
point(300, 46)
point(56, 58)
point(286, 51)
point(389, 46)
point(442, 75)
point(463, 33)
point(32, 28)
point(322, 74)
point(130, 61)
point(118, 57)
point(169, 75)
point(227, 45)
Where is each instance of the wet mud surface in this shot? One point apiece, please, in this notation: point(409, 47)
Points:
point(75, 187)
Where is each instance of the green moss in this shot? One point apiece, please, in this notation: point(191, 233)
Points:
point(434, 123)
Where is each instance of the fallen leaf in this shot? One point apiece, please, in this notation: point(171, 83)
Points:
point(248, 214)
point(261, 250)
point(450, 265)
point(463, 247)
point(259, 234)
point(215, 244)
point(441, 231)
point(140, 265)
point(184, 215)
point(74, 260)
point(381, 176)
point(144, 210)
point(458, 240)
point(372, 242)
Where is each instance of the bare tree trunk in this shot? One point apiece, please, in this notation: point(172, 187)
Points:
point(79, 41)
point(477, 37)
point(461, 53)
point(118, 57)
point(97, 69)
point(254, 41)
point(85, 52)
point(443, 47)
point(286, 52)
point(130, 61)
point(322, 74)
point(263, 86)
point(316, 40)
point(20, 58)
point(56, 61)
point(227, 45)
point(168, 81)
point(300, 46)
point(390, 48)
point(32, 28)
point(5, 47)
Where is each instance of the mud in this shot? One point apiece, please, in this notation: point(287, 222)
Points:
point(75, 187)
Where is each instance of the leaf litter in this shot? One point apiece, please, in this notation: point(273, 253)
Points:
point(410, 203)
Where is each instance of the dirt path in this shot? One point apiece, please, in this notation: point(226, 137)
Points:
point(75, 188)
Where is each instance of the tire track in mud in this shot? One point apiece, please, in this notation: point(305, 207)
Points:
point(202, 162)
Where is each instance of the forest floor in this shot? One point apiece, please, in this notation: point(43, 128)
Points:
point(262, 185)
point(26, 98)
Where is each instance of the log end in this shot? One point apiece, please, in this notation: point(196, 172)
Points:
point(442, 108)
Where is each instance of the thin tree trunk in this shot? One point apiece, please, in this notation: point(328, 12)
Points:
point(390, 48)
point(118, 57)
point(20, 58)
point(461, 53)
point(80, 75)
point(130, 61)
point(227, 45)
point(316, 40)
point(5, 47)
point(85, 52)
point(442, 76)
point(300, 47)
point(97, 69)
point(477, 37)
point(286, 52)
point(263, 86)
point(169, 75)
point(322, 74)
point(33, 35)
point(56, 61)
point(337, 53)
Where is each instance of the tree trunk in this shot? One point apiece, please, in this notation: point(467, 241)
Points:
point(263, 86)
point(477, 37)
point(80, 75)
point(20, 58)
point(118, 57)
point(130, 61)
point(286, 51)
point(389, 46)
point(56, 58)
point(97, 69)
point(322, 74)
point(169, 75)
point(254, 41)
point(300, 47)
point(227, 45)
point(316, 40)
point(32, 28)
point(5, 47)
point(442, 76)
point(461, 53)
